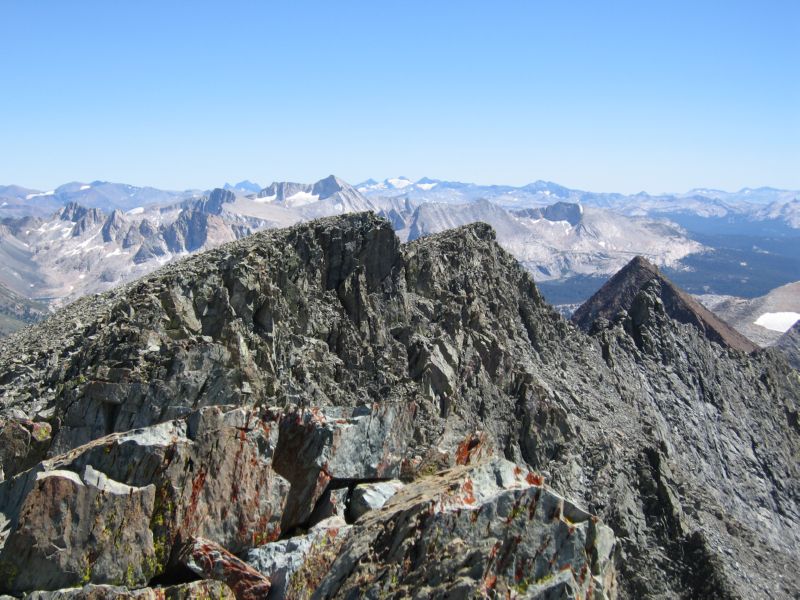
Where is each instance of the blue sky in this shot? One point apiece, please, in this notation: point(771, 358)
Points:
point(603, 95)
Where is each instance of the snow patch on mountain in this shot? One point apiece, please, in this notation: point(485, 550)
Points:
point(301, 198)
point(778, 321)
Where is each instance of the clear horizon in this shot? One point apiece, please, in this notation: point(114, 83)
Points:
point(619, 97)
point(264, 184)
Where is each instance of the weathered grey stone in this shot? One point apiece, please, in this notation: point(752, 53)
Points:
point(789, 345)
point(485, 529)
point(199, 590)
point(23, 443)
point(316, 450)
point(95, 592)
point(369, 496)
point(281, 559)
point(196, 590)
point(209, 474)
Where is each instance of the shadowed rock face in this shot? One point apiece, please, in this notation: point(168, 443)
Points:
point(619, 292)
point(560, 211)
point(259, 384)
point(789, 344)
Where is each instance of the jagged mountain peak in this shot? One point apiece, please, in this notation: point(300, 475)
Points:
point(283, 190)
point(329, 185)
point(73, 211)
point(214, 201)
point(619, 292)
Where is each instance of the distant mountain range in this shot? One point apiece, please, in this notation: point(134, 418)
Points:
point(16, 201)
point(86, 237)
point(765, 204)
point(79, 250)
point(755, 204)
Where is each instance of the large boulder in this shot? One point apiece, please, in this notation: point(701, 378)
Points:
point(318, 448)
point(195, 590)
point(211, 561)
point(73, 529)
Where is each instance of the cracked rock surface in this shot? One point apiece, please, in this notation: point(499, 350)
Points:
point(240, 397)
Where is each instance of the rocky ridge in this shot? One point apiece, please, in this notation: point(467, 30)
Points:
point(240, 397)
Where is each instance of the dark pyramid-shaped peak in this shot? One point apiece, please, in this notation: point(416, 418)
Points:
point(621, 290)
point(329, 186)
point(616, 294)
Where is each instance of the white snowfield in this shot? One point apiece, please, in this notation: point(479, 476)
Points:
point(399, 183)
point(40, 194)
point(301, 199)
point(778, 321)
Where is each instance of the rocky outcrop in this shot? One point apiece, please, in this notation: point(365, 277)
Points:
point(118, 509)
point(491, 530)
point(619, 292)
point(318, 453)
point(255, 387)
point(23, 443)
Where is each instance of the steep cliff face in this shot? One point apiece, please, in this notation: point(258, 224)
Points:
point(789, 344)
point(262, 382)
